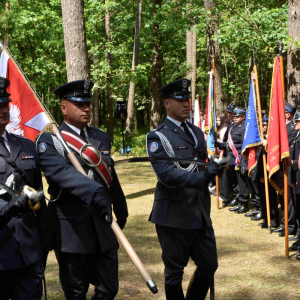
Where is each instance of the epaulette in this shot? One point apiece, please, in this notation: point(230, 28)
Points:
point(157, 128)
point(97, 129)
point(19, 136)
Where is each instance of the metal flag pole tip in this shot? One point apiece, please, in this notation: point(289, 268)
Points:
point(152, 286)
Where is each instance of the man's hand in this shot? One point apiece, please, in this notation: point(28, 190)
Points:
point(287, 161)
point(211, 171)
point(14, 207)
point(101, 204)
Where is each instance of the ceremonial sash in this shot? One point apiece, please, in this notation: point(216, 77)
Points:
point(90, 155)
point(232, 147)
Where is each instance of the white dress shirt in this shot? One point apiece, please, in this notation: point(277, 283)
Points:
point(6, 141)
point(77, 130)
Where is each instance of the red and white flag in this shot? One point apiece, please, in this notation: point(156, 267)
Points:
point(27, 118)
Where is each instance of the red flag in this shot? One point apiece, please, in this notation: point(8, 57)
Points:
point(278, 145)
point(27, 118)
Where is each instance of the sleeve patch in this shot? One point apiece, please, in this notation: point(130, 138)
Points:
point(153, 147)
point(42, 147)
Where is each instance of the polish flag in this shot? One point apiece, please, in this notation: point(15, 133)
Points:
point(27, 118)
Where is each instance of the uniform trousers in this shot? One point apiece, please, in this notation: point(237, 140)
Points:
point(291, 209)
point(274, 212)
point(232, 180)
point(77, 271)
point(21, 284)
point(178, 245)
point(243, 186)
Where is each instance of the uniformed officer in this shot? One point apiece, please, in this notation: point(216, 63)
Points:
point(290, 111)
point(181, 209)
point(85, 245)
point(229, 188)
point(294, 163)
point(25, 235)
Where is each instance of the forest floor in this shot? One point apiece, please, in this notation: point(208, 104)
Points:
point(252, 262)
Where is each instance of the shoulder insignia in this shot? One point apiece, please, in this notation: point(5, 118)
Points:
point(42, 147)
point(153, 147)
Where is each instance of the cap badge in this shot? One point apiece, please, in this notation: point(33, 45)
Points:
point(2, 82)
point(87, 84)
point(184, 84)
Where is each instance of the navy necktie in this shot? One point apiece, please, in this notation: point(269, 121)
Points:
point(187, 131)
point(82, 134)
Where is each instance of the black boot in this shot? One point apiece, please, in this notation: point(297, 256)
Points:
point(198, 288)
point(242, 209)
point(174, 292)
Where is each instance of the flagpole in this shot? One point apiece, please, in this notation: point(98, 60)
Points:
point(115, 227)
point(264, 154)
point(215, 104)
point(286, 221)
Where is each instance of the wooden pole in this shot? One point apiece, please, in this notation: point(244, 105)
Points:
point(286, 221)
point(215, 105)
point(264, 154)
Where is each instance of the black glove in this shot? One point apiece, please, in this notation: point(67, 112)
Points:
point(14, 207)
point(211, 171)
point(122, 223)
point(101, 204)
point(223, 163)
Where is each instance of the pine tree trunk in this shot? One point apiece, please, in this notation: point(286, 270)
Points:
point(96, 107)
point(108, 75)
point(213, 48)
point(135, 57)
point(157, 62)
point(293, 55)
point(6, 40)
point(75, 40)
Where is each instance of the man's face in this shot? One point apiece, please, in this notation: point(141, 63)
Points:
point(229, 115)
point(238, 119)
point(4, 114)
point(287, 116)
point(297, 125)
point(178, 109)
point(77, 114)
point(265, 128)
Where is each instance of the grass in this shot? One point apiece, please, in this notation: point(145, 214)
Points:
point(252, 262)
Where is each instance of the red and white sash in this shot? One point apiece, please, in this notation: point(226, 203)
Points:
point(89, 154)
point(232, 147)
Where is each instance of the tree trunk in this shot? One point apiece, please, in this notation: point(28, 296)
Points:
point(6, 40)
point(157, 61)
point(293, 55)
point(108, 75)
point(75, 40)
point(213, 48)
point(191, 56)
point(96, 107)
point(135, 62)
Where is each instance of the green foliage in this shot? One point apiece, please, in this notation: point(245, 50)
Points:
point(36, 40)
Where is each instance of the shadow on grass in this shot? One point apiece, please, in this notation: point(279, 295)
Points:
point(141, 193)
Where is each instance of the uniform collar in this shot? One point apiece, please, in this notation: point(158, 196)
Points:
point(178, 123)
point(4, 135)
point(77, 130)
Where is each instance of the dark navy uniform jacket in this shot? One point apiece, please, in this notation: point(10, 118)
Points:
point(25, 236)
point(295, 168)
point(77, 227)
point(182, 199)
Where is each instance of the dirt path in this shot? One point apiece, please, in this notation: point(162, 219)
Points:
point(252, 264)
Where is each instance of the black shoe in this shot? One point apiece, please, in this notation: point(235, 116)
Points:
point(297, 243)
point(258, 216)
point(174, 292)
point(295, 248)
point(253, 212)
point(237, 207)
point(226, 202)
point(263, 225)
point(281, 234)
point(294, 238)
point(242, 209)
point(279, 229)
point(233, 202)
point(197, 289)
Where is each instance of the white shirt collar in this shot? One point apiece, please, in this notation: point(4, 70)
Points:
point(288, 122)
point(77, 130)
point(178, 123)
